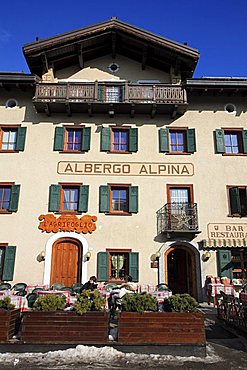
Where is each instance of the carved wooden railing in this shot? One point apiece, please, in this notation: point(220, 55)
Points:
point(110, 93)
point(177, 217)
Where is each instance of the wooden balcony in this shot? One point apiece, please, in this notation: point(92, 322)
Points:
point(123, 98)
point(176, 219)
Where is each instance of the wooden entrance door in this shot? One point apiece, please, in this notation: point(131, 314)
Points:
point(66, 261)
point(181, 270)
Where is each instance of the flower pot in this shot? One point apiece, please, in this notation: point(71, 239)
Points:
point(161, 328)
point(64, 327)
point(8, 320)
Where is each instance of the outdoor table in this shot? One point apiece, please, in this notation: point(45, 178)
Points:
point(18, 301)
point(57, 292)
point(214, 289)
point(30, 288)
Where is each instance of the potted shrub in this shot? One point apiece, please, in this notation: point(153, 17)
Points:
point(183, 324)
point(8, 319)
point(50, 322)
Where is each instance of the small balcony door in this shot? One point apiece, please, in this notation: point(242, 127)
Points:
point(180, 198)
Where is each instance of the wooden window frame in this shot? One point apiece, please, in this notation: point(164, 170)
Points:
point(230, 214)
point(182, 130)
point(7, 185)
point(2, 127)
point(175, 186)
point(238, 131)
point(119, 129)
point(70, 128)
point(61, 203)
point(120, 187)
point(117, 251)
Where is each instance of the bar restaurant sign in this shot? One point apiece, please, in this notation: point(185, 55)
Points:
point(125, 168)
point(228, 231)
point(51, 224)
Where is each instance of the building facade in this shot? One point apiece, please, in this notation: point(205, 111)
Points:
point(115, 161)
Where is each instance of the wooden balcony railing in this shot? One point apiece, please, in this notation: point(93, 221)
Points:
point(177, 217)
point(110, 93)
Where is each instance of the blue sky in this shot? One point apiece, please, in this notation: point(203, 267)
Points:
point(217, 28)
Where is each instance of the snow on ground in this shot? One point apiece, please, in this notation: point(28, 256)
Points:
point(90, 355)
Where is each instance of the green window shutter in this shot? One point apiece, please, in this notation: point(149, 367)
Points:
point(54, 198)
point(59, 139)
point(244, 136)
point(105, 144)
point(102, 266)
point(104, 198)
point(14, 198)
point(86, 138)
point(100, 93)
point(219, 141)
point(133, 139)
point(191, 140)
point(134, 266)
point(133, 199)
point(235, 201)
point(21, 138)
point(9, 263)
point(83, 198)
point(164, 140)
point(224, 263)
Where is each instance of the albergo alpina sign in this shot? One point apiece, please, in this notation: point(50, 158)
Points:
point(125, 168)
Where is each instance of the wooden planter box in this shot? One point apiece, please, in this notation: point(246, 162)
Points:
point(161, 328)
point(8, 320)
point(64, 327)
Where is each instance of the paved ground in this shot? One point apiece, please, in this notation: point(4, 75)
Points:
point(226, 350)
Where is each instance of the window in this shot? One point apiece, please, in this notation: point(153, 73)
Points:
point(231, 141)
point(239, 263)
point(12, 138)
point(113, 67)
point(238, 201)
point(74, 139)
point(118, 199)
point(114, 265)
point(68, 198)
point(7, 261)
point(11, 103)
point(9, 197)
point(177, 141)
point(110, 94)
point(230, 108)
point(119, 139)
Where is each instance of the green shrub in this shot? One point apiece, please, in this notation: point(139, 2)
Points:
point(89, 300)
point(139, 302)
point(180, 303)
point(6, 304)
point(50, 302)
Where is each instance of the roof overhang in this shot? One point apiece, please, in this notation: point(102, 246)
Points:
point(19, 80)
point(110, 37)
point(217, 85)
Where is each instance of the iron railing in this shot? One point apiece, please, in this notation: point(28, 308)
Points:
point(177, 217)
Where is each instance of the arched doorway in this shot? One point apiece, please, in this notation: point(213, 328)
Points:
point(66, 261)
point(180, 265)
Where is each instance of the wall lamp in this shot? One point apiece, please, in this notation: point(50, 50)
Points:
point(87, 256)
point(206, 255)
point(41, 256)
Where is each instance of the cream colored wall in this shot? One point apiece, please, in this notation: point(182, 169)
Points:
point(36, 168)
point(97, 69)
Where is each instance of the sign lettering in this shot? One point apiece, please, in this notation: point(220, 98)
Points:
point(227, 231)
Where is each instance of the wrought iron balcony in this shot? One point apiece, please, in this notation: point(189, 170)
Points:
point(177, 218)
point(99, 97)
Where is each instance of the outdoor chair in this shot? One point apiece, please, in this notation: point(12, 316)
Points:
point(37, 290)
point(57, 286)
point(77, 287)
point(20, 289)
point(31, 298)
point(5, 286)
